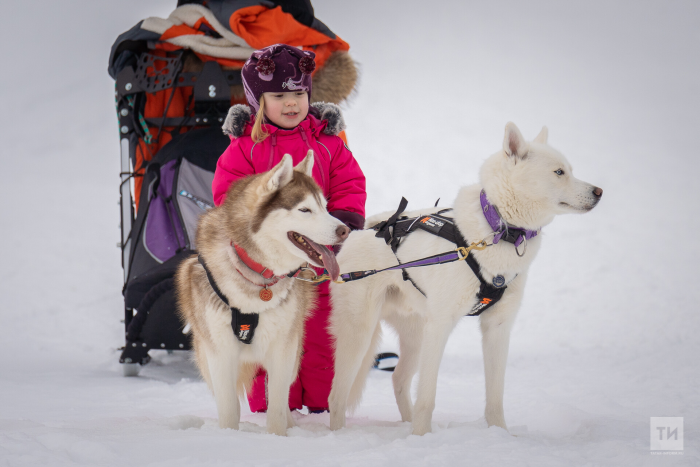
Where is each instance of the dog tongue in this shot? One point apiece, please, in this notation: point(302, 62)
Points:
point(329, 261)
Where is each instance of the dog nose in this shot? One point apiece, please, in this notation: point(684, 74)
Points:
point(598, 192)
point(342, 232)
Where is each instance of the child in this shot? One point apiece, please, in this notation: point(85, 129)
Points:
point(277, 83)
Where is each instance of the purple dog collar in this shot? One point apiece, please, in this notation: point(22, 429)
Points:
point(501, 228)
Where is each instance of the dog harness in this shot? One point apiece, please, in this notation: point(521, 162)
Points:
point(243, 324)
point(394, 229)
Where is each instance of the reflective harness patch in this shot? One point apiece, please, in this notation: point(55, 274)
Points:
point(243, 324)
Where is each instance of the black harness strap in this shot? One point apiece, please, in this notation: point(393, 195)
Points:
point(407, 277)
point(243, 324)
point(396, 227)
point(385, 229)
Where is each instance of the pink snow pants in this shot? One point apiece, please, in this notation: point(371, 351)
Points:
point(313, 384)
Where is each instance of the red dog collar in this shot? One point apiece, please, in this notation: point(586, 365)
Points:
point(259, 268)
point(255, 266)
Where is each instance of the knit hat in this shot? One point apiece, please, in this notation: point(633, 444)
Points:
point(277, 68)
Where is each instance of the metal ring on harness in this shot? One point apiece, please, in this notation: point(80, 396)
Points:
point(524, 248)
point(306, 268)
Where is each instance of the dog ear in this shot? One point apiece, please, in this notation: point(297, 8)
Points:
point(514, 144)
point(279, 175)
point(307, 165)
point(542, 137)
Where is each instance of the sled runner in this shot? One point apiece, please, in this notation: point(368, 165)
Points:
point(176, 79)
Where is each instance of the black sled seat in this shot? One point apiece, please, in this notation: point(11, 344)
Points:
point(176, 189)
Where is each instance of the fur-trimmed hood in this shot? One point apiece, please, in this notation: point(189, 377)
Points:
point(240, 117)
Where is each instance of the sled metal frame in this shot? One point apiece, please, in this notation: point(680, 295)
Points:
point(212, 99)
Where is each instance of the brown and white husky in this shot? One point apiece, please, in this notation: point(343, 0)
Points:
point(269, 226)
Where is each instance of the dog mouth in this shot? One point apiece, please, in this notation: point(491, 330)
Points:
point(319, 255)
point(576, 208)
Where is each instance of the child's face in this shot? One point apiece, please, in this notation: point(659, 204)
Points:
point(286, 109)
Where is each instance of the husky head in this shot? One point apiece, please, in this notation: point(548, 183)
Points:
point(279, 217)
point(531, 182)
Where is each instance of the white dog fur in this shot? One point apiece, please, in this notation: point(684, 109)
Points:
point(522, 181)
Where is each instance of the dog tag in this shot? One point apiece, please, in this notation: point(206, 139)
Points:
point(498, 281)
point(265, 295)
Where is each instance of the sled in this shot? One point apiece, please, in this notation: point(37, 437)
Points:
point(175, 80)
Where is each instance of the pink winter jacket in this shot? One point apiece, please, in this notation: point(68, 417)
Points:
point(335, 169)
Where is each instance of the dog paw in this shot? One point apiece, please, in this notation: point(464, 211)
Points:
point(422, 419)
point(337, 420)
point(420, 429)
point(406, 414)
point(277, 430)
point(500, 425)
point(498, 421)
point(223, 423)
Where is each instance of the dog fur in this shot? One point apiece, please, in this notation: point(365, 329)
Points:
point(522, 181)
point(258, 214)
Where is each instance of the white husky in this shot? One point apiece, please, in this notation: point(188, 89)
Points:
point(529, 183)
point(277, 219)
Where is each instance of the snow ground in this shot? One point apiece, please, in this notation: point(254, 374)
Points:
point(608, 332)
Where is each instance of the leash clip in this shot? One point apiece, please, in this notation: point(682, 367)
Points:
point(317, 279)
point(464, 251)
point(307, 268)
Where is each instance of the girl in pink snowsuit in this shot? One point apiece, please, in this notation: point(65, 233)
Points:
point(277, 82)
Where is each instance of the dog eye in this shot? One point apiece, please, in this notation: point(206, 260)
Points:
point(559, 172)
point(305, 210)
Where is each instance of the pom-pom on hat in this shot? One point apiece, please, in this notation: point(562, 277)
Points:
point(277, 68)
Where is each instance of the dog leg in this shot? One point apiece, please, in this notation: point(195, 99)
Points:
point(410, 341)
point(200, 358)
point(280, 376)
point(352, 344)
point(290, 420)
point(435, 336)
point(223, 371)
point(495, 330)
point(358, 385)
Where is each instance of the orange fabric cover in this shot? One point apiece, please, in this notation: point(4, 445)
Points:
point(260, 27)
point(343, 136)
point(154, 108)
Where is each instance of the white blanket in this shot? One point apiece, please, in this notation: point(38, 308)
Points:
point(228, 46)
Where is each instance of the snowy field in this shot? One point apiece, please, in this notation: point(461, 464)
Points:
point(608, 334)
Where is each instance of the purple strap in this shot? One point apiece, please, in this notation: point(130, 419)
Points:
point(500, 226)
point(437, 259)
